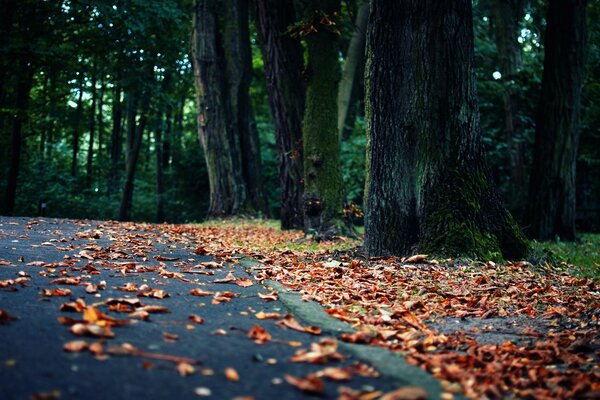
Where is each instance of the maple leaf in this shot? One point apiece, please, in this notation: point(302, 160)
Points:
point(310, 384)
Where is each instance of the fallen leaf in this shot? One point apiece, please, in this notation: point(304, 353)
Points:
point(196, 319)
point(200, 292)
point(231, 374)
point(272, 296)
point(290, 322)
point(406, 393)
point(416, 258)
point(244, 282)
point(310, 384)
point(335, 374)
point(263, 315)
point(75, 346)
point(56, 292)
point(5, 317)
point(170, 337)
point(259, 334)
point(319, 353)
point(165, 258)
point(81, 329)
point(229, 278)
point(202, 391)
point(185, 369)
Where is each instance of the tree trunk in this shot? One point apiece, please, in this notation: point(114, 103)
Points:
point(77, 128)
point(23, 88)
point(283, 58)
point(116, 140)
point(160, 186)
point(354, 58)
point(551, 208)
point(238, 59)
point(506, 16)
point(226, 197)
point(322, 171)
point(92, 128)
point(135, 132)
point(100, 120)
point(428, 188)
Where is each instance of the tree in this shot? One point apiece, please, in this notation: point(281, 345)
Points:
point(353, 64)
point(226, 195)
point(506, 16)
point(284, 64)
point(322, 174)
point(551, 204)
point(238, 60)
point(428, 187)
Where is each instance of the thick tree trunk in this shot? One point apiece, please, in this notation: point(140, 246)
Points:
point(322, 171)
point(283, 58)
point(23, 88)
point(428, 188)
point(226, 198)
point(551, 208)
point(135, 133)
point(116, 140)
point(354, 59)
point(92, 128)
point(77, 129)
point(506, 16)
point(100, 118)
point(238, 59)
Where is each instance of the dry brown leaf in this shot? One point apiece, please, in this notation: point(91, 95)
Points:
point(229, 278)
point(259, 334)
point(406, 393)
point(196, 319)
point(200, 292)
point(416, 258)
point(94, 330)
point(271, 296)
point(165, 258)
point(244, 282)
point(335, 374)
point(185, 369)
point(5, 317)
point(310, 384)
point(56, 292)
point(319, 353)
point(290, 322)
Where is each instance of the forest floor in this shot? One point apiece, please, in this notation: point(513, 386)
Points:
point(230, 309)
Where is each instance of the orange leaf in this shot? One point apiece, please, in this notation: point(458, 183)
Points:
point(75, 346)
point(406, 393)
point(310, 384)
point(200, 292)
point(244, 282)
point(272, 296)
point(232, 374)
point(259, 334)
point(227, 279)
point(289, 322)
point(263, 315)
point(196, 319)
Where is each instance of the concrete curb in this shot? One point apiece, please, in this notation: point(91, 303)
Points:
point(390, 365)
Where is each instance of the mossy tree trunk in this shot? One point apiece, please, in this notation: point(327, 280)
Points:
point(428, 188)
point(322, 172)
point(245, 141)
point(551, 208)
point(226, 195)
point(283, 58)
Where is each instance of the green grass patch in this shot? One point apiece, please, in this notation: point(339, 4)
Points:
point(582, 257)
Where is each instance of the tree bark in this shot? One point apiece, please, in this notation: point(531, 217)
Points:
point(77, 129)
point(283, 59)
point(116, 140)
point(135, 133)
point(160, 186)
point(506, 16)
point(322, 171)
point(24, 83)
point(354, 58)
point(428, 188)
point(226, 198)
point(551, 208)
point(92, 129)
point(238, 59)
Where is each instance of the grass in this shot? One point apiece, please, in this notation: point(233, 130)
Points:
point(582, 258)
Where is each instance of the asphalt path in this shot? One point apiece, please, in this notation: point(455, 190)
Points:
point(33, 363)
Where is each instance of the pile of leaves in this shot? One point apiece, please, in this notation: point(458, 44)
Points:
point(418, 307)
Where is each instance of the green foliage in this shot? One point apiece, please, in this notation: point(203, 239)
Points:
point(581, 257)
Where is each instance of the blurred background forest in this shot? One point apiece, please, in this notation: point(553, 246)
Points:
point(80, 79)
